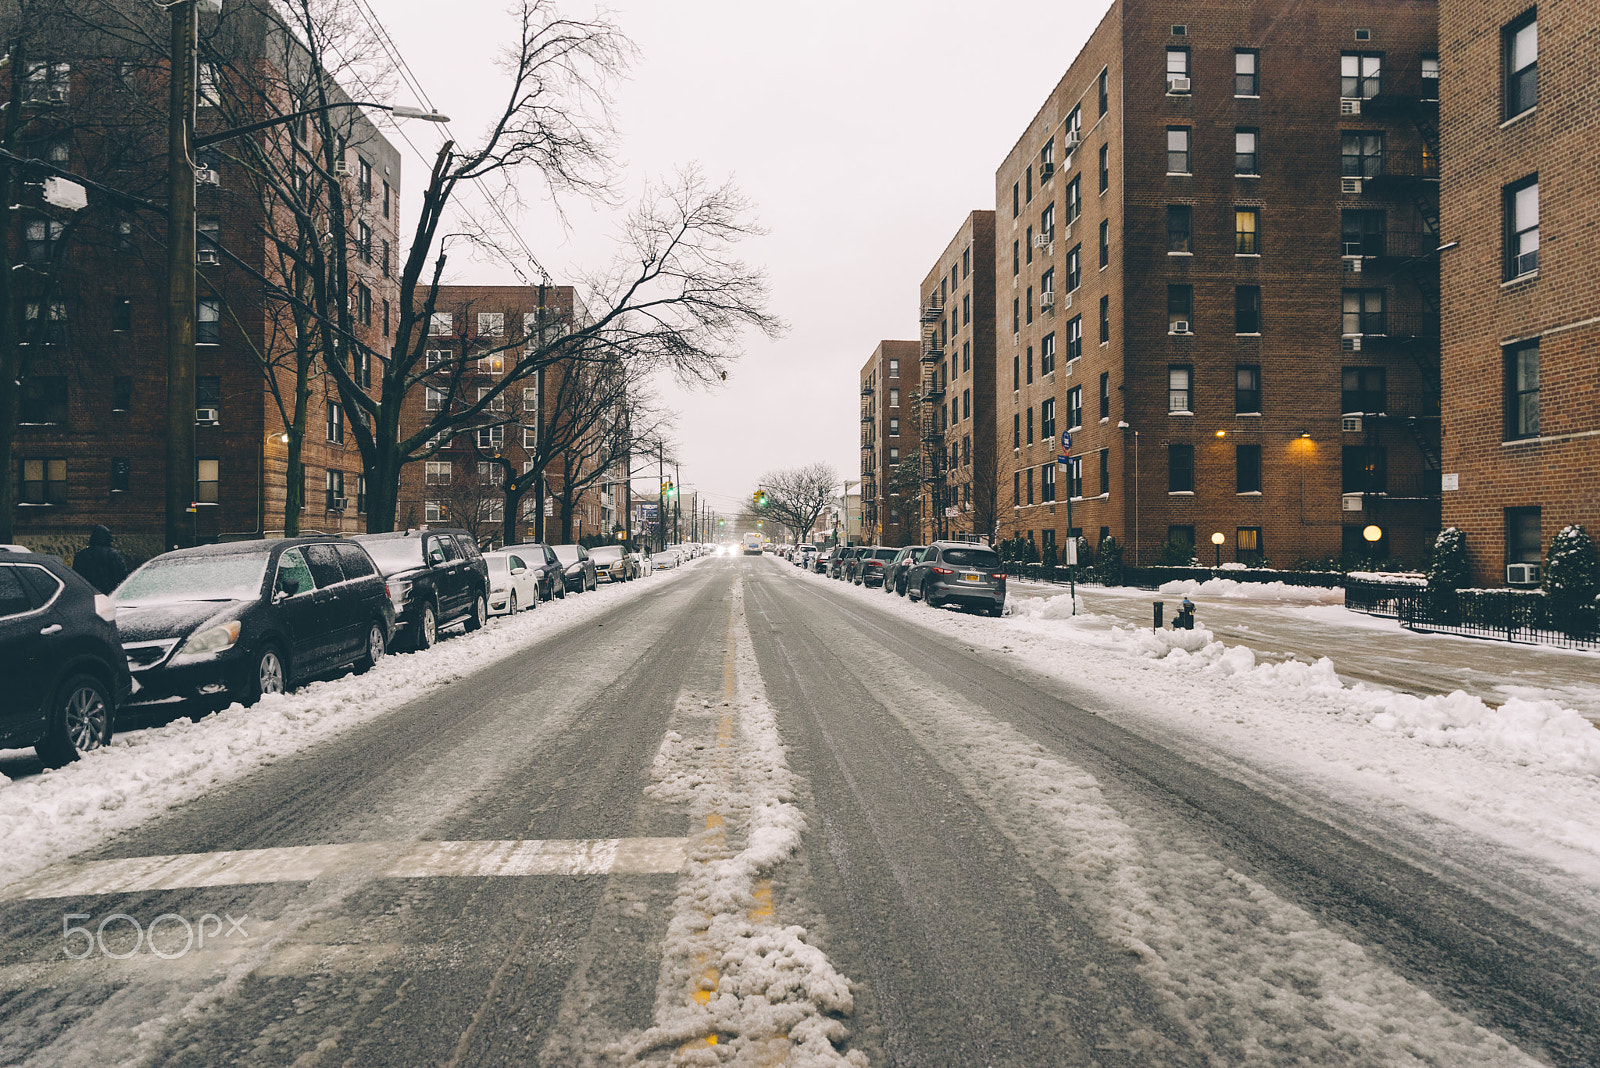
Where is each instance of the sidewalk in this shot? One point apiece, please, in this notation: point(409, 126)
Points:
point(1301, 624)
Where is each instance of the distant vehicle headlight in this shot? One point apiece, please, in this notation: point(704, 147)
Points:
point(211, 640)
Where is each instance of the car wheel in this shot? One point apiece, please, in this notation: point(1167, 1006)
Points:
point(927, 594)
point(511, 605)
point(427, 627)
point(377, 645)
point(561, 591)
point(593, 584)
point(480, 613)
point(265, 674)
point(80, 720)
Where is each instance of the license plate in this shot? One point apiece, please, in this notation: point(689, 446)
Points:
point(971, 578)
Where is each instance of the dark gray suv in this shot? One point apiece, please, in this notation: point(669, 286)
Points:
point(960, 573)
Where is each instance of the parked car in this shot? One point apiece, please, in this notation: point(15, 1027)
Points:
point(805, 555)
point(894, 572)
point(642, 563)
point(247, 618)
point(578, 569)
point(959, 572)
point(513, 585)
point(666, 559)
point(839, 568)
point(436, 579)
point(823, 562)
point(611, 564)
point(869, 565)
point(541, 559)
point(61, 658)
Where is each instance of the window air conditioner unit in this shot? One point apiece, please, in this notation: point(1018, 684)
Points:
point(1522, 574)
point(1072, 140)
point(206, 415)
point(207, 176)
point(1047, 299)
point(341, 168)
point(1351, 344)
point(1041, 240)
point(1349, 105)
point(1350, 186)
point(1181, 326)
point(1354, 266)
point(1178, 85)
point(1352, 502)
point(206, 255)
point(1046, 170)
point(1351, 424)
point(339, 504)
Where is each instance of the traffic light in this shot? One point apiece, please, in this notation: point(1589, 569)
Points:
point(760, 498)
point(668, 490)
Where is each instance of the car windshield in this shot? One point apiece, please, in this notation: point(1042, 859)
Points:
point(606, 554)
point(234, 577)
point(885, 554)
point(985, 558)
point(395, 554)
point(567, 554)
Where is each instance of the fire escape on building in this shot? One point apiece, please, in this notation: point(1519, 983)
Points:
point(932, 397)
point(869, 460)
point(1407, 257)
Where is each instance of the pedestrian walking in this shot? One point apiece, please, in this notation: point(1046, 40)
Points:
point(100, 563)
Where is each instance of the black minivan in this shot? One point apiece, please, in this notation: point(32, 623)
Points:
point(437, 577)
point(245, 618)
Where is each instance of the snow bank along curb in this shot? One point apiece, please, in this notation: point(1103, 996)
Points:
point(47, 817)
point(728, 968)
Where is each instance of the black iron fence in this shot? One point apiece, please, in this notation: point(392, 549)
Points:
point(1525, 616)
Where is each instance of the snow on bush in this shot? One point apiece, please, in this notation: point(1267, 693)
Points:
point(1571, 573)
point(1449, 568)
point(1228, 589)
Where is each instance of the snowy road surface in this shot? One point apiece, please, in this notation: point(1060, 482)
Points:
point(742, 814)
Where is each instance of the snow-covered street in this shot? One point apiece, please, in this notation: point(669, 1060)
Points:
point(741, 813)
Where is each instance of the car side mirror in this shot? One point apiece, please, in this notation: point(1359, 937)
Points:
point(519, 571)
point(287, 587)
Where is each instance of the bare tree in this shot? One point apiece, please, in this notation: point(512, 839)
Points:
point(797, 496)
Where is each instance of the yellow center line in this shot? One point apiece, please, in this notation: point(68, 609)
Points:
point(762, 891)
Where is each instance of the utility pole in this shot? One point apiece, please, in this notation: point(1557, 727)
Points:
point(661, 498)
point(180, 275)
point(677, 508)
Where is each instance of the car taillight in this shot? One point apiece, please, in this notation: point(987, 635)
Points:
point(942, 571)
point(998, 575)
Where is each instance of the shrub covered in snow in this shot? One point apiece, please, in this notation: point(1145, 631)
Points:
point(1572, 578)
point(1449, 569)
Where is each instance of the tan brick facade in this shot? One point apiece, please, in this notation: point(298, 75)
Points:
point(1519, 480)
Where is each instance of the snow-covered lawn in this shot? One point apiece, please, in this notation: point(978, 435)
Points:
point(49, 816)
point(1524, 773)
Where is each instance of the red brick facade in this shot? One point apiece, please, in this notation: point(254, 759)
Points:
point(888, 382)
point(1518, 469)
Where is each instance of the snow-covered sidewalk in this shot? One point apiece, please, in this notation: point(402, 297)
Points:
point(1452, 769)
point(49, 816)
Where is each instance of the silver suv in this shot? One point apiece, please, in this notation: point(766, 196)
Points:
point(961, 573)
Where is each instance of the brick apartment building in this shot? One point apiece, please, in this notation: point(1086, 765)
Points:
point(1521, 343)
point(90, 448)
point(1215, 270)
point(957, 389)
point(889, 443)
point(475, 337)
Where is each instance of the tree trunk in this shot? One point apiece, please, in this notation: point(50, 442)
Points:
point(10, 351)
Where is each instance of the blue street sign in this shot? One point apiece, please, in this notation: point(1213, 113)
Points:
point(1063, 461)
point(1066, 442)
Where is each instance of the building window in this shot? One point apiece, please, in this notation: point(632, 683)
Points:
point(1361, 232)
point(1520, 205)
point(1105, 242)
point(1047, 288)
point(385, 258)
point(1430, 78)
point(441, 324)
point(42, 401)
point(491, 437)
point(1028, 439)
point(1363, 389)
point(1075, 408)
point(1522, 64)
point(44, 481)
point(1180, 468)
point(966, 310)
point(1247, 309)
point(47, 83)
point(1365, 469)
point(1027, 185)
point(966, 404)
point(1047, 159)
point(335, 423)
point(1246, 81)
point(385, 318)
point(39, 239)
point(1016, 430)
point(208, 322)
point(208, 397)
point(1364, 312)
point(894, 368)
point(364, 242)
point(1361, 153)
point(363, 305)
point(894, 453)
point(1016, 201)
point(121, 474)
point(492, 363)
point(121, 315)
point(894, 398)
point(492, 324)
point(1105, 475)
point(1047, 354)
point(386, 195)
point(1103, 86)
point(1074, 199)
point(1074, 268)
point(1247, 390)
point(1105, 320)
point(1075, 337)
point(1105, 167)
point(1030, 304)
point(1360, 75)
point(1105, 395)
point(333, 491)
point(1028, 241)
point(1177, 150)
point(1180, 228)
point(1047, 483)
point(433, 400)
point(1047, 419)
point(122, 393)
point(1522, 390)
point(1180, 309)
point(1180, 392)
point(52, 330)
point(361, 480)
point(1247, 231)
point(894, 428)
point(437, 473)
point(1247, 547)
point(433, 511)
point(1524, 538)
point(363, 178)
point(1247, 468)
point(1030, 485)
point(1178, 70)
point(1244, 152)
point(207, 477)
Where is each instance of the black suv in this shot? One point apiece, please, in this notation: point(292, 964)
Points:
point(436, 577)
point(959, 572)
point(60, 658)
point(246, 618)
point(839, 566)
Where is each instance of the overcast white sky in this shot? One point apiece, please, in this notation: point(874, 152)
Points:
point(862, 132)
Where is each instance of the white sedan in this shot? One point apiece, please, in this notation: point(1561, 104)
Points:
point(666, 558)
point(513, 585)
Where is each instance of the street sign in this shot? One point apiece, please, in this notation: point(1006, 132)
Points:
point(1063, 461)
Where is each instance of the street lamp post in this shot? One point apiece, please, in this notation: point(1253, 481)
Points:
point(1216, 541)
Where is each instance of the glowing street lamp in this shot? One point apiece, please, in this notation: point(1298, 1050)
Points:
point(1216, 540)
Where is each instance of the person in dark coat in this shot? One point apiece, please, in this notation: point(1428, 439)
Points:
point(100, 563)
